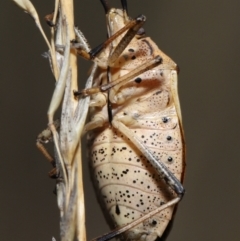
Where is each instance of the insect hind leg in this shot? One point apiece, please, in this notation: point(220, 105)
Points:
point(161, 169)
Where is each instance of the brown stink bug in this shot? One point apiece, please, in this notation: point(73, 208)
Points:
point(135, 134)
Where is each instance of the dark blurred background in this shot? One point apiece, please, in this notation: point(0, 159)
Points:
point(203, 37)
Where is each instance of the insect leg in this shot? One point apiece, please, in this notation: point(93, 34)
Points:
point(122, 80)
point(132, 26)
point(162, 170)
point(118, 231)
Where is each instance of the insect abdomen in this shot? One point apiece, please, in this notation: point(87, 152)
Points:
point(128, 184)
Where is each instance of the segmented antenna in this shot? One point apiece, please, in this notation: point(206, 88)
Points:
point(124, 5)
point(105, 6)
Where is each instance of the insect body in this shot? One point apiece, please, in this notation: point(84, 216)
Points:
point(135, 134)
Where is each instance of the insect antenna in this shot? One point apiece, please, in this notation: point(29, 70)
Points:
point(105, 6)
point(124, 6)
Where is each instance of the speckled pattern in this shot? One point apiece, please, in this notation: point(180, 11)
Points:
point(126, 183)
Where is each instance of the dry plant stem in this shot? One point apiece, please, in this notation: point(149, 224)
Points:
point(70, 193)
point(53, 52)
point(67, 11)
point(28, 7)
point(68, 146)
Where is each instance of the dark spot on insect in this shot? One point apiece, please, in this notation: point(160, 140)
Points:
point(128, 196)
point(129, 159)
point(169, 138)
point(124, 148)
point(158, 92)
point(170, 159)
point(161, 203)
point(131, 50)
point(148, 187)
point(117, 210)
point(142, 136)
point(133, 57)
point(125, 56)
point(134, 181)
point(164, 119)
point(154, 222)
point(124, 113)
point(138, 80)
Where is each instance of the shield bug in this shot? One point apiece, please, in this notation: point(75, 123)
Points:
point(135, 134)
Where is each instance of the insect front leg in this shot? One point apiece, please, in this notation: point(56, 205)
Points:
point(116, 84)
point(103, 58)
